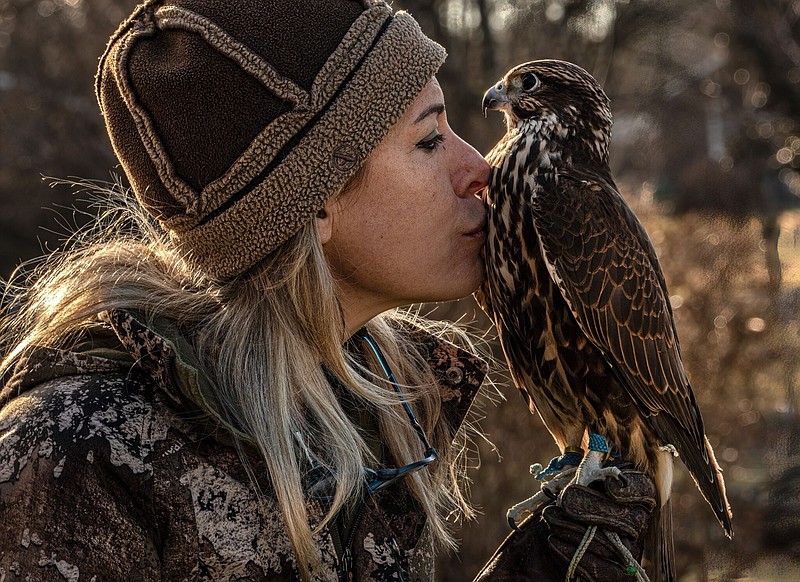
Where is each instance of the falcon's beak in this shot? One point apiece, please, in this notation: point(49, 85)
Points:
point(495, 98)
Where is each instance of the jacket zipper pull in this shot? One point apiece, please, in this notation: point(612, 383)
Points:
point(346, 571)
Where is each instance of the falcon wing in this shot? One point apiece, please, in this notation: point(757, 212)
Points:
point(598, 254)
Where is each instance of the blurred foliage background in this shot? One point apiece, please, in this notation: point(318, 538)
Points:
point(706, 101)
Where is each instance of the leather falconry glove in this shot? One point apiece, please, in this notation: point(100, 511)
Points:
point(583, 532)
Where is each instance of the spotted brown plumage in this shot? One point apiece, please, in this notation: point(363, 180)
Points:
point(576, 291)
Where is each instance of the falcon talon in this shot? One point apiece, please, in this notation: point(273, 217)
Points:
point(524, 509)
point(549, 492)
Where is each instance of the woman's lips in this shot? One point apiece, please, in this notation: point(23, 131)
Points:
point(479, 231)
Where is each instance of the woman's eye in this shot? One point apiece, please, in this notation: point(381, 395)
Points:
point(432, 142)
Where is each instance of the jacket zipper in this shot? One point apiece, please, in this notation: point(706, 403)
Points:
point(344, 551)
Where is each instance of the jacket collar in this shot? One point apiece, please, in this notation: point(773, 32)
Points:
point(161, 350)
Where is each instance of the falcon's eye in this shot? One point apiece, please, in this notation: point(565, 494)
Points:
point(529, 81)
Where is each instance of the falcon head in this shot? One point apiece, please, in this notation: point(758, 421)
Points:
point(556, 100)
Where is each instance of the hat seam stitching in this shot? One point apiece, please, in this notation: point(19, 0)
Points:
point(297, 137)
point(177, 18)
point(131, 22)
point(274, 136)
point(186, 195)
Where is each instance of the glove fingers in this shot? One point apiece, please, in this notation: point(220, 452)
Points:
point(591, 507)
point(634, 487)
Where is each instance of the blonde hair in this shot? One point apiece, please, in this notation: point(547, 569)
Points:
point(269, 375)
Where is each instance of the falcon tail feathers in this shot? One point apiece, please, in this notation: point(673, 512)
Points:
point(702, 465)
point(717, 493)
point(659, 549)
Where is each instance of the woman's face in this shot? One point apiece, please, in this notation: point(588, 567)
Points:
point(413, 228)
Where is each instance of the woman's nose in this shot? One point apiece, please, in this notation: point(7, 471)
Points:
point(473, 171)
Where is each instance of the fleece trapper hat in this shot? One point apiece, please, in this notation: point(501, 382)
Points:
point(236, 120)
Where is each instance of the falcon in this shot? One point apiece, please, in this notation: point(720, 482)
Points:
point(579, 299)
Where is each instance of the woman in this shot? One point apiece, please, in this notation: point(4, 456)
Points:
point(209, 386)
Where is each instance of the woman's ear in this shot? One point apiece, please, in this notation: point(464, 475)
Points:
point(324, 223)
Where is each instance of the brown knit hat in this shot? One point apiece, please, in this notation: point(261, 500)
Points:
point(236, 120)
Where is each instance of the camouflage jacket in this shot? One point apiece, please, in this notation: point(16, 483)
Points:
point(108, 472)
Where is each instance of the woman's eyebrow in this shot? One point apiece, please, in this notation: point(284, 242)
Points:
point(437, 108)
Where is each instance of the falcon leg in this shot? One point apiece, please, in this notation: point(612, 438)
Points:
point(550, 490)
point(591, 467)
point(558, 474)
